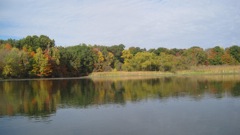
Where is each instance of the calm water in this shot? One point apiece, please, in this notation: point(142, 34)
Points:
point(199, 105)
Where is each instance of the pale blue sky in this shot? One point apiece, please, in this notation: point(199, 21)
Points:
point(142, 23)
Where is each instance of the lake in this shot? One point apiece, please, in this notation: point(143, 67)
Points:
point(187, 105)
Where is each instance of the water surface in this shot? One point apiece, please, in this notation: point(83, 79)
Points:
point(196, 105)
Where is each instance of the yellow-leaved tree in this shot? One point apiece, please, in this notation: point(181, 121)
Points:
point(41, 66)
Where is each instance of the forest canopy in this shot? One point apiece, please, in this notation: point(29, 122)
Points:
point(38, 56)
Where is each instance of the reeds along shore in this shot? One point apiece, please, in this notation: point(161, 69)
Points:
point(198, 70)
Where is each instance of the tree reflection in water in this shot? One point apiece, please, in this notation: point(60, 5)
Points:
point(41, 98)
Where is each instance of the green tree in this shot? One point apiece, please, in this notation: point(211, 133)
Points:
point(109, 61)
point(175, 51)
point(3, 54)
point(116, 50)
point(159, 50)
point(144, 61)
point(36, 42)
point(167, 62)
point(127, 56)
point(235, 52)
point(135, 50)
point(25, 63)
point(11, 63)
point(228, 59)
point(65, 67)
point(98, 66)
point(82, 59)
point(215, 55)
point(195, 56)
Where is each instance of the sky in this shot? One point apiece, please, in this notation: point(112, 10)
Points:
point(140, 23)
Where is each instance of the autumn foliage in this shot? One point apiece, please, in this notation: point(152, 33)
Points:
point(37, 56)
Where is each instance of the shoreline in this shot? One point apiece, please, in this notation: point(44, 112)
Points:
point(193, 71)
point(37, 79)
point(200, 70)
point(155, 74)
point(107, 75)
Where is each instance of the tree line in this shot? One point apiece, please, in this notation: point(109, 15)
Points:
point(38, 56)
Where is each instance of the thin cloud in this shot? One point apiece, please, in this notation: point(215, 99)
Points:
point(144, 23)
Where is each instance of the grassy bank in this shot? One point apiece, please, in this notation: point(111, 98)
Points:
point(127, 74)
point(212, 70)
point(200, 70)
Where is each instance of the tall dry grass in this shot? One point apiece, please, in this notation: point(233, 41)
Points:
point(197, 70)
point(223, 69)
